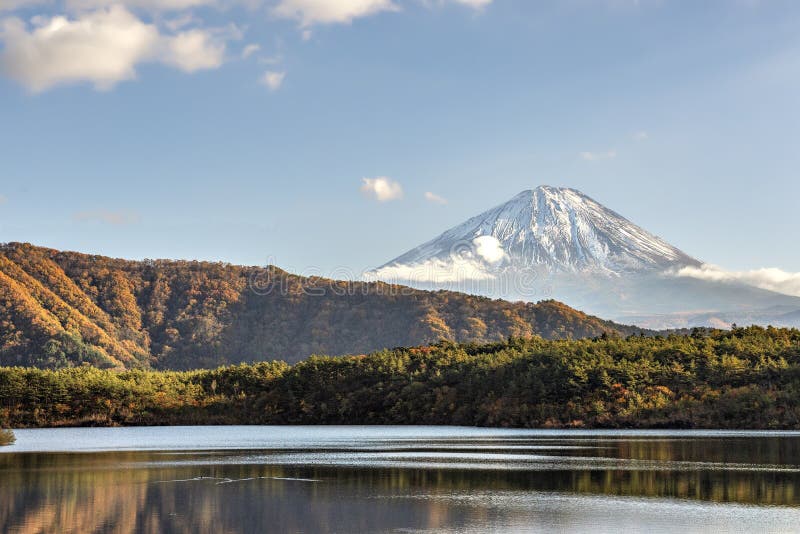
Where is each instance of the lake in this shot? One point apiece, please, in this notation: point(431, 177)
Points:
point(397, 479)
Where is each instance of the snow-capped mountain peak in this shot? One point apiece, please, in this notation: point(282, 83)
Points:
point(559, 229)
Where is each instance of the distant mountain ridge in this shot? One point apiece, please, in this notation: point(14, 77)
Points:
point(65, 308)
point(553, 242)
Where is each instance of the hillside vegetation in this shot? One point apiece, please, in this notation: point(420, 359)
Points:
point(62, 309)
point(745, 378)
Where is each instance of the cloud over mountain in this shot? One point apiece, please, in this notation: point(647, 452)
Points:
point(772, 279)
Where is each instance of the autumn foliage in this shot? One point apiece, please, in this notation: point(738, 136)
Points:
point(64, 309)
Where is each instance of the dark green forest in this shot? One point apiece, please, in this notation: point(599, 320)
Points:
point(744, 378)
point(65, 309)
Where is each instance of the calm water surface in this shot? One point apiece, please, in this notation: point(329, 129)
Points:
point(397, 479)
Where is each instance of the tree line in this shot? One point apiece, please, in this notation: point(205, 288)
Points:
point(742, 378)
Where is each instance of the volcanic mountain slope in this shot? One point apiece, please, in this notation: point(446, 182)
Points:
point(560, 229)
point(64, 308)
point(558, 242)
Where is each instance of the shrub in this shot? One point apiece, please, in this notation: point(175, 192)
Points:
point(7, 437)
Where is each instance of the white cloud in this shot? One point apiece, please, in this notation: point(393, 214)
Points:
point(766, 278)
point(474, 261)
point(103, 42)
point(250, 49)
point(382, 189)
point(433, 197)
point(456, 269)
point(641, 135)
point(489, 248)
point(593, 156)
point(102, 47)
point(195, 50)
point(273, 79)
point(311, 12)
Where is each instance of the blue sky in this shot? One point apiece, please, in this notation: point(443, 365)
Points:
point(141, 129)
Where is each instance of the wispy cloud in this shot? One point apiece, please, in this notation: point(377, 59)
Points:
point(250, 49)
point(180, 21)
point(273, 79)
point(382, 189)
point(641, 135)
point(116, 218)
point(772, 279)
point(317, 12)
point(311, 12)
point(594, 156)
point(474, 3)
point(433, 197)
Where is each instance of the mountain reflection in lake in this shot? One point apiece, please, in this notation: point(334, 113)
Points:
point(410, 479)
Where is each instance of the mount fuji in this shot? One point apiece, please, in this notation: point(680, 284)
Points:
point(559, 243)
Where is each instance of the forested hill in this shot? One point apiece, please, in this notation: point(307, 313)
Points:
point(60, 309)
point(743, 378)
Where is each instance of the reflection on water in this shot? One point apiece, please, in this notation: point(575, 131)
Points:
point(346, 479)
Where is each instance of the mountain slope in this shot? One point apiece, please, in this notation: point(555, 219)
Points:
point(559, 243)
point(64, 308)
point(560, 229)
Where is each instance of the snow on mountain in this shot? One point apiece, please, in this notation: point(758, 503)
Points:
point(560, 229)
point(553, 242)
